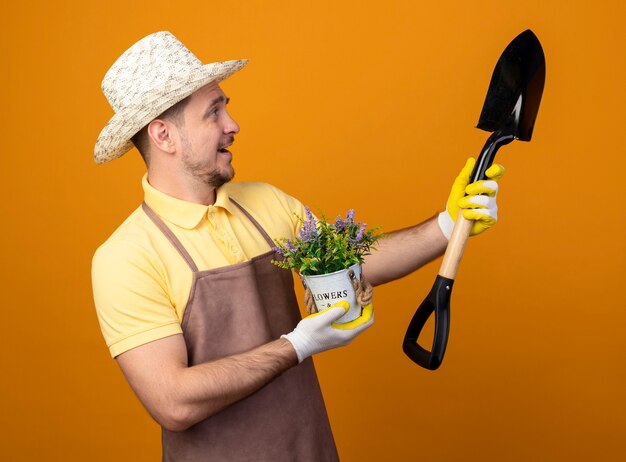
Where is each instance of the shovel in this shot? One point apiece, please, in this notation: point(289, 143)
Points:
point(509, 111)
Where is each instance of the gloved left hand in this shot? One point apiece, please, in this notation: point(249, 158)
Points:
point(319, 332)
point(479, 204)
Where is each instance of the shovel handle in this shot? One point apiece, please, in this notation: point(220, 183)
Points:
point(456, 246)
point(438, 300)
point(462, 226)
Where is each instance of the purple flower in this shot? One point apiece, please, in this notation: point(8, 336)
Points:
point(308, 231)
point(356, 241)
point(359, 235)
point(340, 225)
point(350, 217)
point(309, 215)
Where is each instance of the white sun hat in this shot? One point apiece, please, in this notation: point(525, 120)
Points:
point(150, 77)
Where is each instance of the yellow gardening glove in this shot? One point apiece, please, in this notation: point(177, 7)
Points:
point(479, 204)
point(367, 317)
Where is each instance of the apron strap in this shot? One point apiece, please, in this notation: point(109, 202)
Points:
point(268, 239)
point(170, 236)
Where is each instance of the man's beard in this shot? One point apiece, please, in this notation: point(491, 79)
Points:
point(213, 177)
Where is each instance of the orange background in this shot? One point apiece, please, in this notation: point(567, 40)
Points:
point(368, 105)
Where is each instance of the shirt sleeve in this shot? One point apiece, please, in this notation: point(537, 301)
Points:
point(131, 297)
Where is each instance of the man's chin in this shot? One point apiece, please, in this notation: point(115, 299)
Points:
point(217, 179)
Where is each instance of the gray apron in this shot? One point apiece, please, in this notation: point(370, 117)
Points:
point(231, 310)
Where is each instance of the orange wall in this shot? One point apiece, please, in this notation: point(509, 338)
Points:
point(368, 105)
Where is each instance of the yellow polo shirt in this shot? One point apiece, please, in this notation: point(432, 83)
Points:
point(141, 283)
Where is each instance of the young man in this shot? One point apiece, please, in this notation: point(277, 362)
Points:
point(206, 330)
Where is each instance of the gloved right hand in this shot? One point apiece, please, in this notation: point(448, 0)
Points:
point(319, 332)
point(477, 200)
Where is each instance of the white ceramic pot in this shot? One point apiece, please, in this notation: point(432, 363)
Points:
point(328, 289)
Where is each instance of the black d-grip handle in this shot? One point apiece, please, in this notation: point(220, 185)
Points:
point(437, 301)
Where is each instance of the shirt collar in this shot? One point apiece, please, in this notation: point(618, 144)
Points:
point(185, 214)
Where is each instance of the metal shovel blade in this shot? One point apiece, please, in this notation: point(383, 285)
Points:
point(517, 79)
point(509, 111)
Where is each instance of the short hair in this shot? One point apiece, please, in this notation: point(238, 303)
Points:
point(141, 140)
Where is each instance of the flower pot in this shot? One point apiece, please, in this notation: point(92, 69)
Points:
point(328, 289)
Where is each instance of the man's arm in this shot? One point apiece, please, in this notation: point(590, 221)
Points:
point(178, 396)
point(404, 251)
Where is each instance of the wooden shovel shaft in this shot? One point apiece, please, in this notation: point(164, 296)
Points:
point(456, 246)
point(462, 227)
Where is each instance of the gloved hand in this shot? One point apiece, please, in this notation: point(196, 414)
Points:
point(479, 204)
point(318, 332)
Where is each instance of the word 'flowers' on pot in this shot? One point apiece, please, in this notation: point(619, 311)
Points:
point(323, 247)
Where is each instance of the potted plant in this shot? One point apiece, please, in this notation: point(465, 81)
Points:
point(328, 257)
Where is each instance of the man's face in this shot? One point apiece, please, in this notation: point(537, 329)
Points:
point(207, 132)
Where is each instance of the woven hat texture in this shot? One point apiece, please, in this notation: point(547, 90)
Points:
point(150, 77)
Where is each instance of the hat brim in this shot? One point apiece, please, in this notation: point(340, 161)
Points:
point(115, 138)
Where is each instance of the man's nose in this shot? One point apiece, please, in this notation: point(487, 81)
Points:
point(231, 126)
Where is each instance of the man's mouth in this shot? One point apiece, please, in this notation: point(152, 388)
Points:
point(224, 147)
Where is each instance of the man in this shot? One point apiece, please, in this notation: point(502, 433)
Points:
point(206, 330)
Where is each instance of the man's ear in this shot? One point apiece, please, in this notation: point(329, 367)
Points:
point(162, 134)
